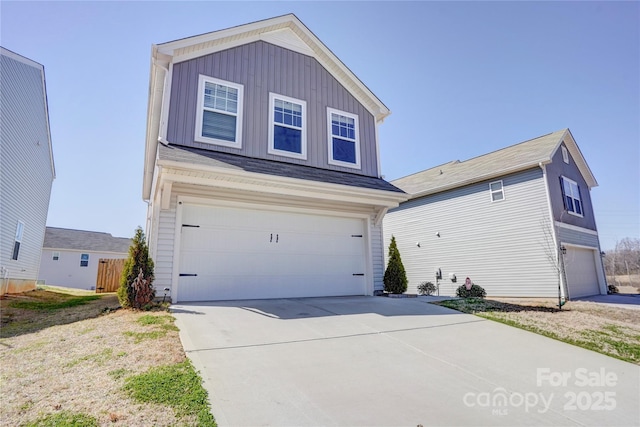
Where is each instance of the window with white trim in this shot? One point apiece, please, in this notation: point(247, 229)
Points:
point(18, 240)
point(565, 155)
point(287, 126)
point(219, 116)
point(84, 260)
point(344, 143)
point(571, 196)
point(496, 191)
point(56, 256)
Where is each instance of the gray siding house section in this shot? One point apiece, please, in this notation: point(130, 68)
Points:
point(262, 68)
point(577, 237)
point(26, 168)
point(463, 232)
point(555, 170)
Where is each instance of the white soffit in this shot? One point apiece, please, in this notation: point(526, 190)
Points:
point(288, 39)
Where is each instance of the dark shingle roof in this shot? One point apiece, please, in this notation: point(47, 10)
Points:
point(64, 238)
point(270, 167)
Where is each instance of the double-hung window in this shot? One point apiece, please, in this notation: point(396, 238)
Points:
point(571, 195)
point(344, 144)
point(84, 260)
point(18, 240)
point(56, 256)
point(219, 119)
point(287, 126)
point(496, 190)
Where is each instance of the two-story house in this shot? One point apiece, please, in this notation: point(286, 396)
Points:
point(518, 222)
point(262, 169)
point(26, 170)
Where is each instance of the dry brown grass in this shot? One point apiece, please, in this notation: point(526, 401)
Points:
point(610, 330)
point(80, 365)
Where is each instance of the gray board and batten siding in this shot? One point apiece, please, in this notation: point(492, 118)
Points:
point(262, 68)
point(555, 170)
point(26, 171)
point(475, 234)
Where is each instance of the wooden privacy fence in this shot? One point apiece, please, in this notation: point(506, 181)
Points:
point(109, 272)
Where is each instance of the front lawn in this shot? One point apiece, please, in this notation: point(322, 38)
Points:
point(607, 330)
point(88, 363)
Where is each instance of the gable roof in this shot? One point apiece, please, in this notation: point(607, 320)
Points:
point(522, 156)
point(286, 31)
point(91, 241)
point(231, 162)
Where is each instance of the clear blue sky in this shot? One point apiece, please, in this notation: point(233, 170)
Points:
point(461, 79)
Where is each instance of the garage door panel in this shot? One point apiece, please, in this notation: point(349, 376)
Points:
point(244, 254)
point(581, 272)
point(263, 286)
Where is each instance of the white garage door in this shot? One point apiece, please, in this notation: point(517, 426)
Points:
point(582, 276)
point(230, 253)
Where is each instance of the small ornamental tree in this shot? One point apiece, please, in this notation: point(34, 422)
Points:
point(136, 283)
point(395, 277)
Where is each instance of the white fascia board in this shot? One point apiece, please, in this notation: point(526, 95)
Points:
point(157, 75)
point(576, 228)
point(283, 185)
point(476, 179)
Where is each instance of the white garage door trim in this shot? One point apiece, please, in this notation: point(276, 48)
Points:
point(585, 254)
point(184, 201)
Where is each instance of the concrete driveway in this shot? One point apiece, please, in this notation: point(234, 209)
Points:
point(364, 361)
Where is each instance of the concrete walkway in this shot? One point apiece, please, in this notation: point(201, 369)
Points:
point(365, 361)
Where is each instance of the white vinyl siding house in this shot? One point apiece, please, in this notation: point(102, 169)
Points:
point(70, 258)
point(503, 220)
point(462, 231)
point(26, 170)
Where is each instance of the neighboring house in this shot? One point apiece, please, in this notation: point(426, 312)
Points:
point(70, 258)
point(26, 170)
point(501, 219)
point(262, 168)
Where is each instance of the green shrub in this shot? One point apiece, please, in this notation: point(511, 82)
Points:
point(475, 292)
point(136, 284)
point(426, 288)
point(395, 276)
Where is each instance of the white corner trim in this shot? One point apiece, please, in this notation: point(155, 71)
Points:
point(576, 228)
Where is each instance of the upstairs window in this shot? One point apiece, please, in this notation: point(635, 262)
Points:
point(287, 126)
point(56, 256)
point(344, 145)
point(84, 260)
point(571, 196)
point(18, 240)
point(219, 119)
point(496, 191)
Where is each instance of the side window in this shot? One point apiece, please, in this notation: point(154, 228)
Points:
point(219, 115)
point(18, 240)
point(56, 256)
point(287, 126)
point(571, 196)
point(496, 191)
point(344, 142)
point(565, 155)
point(84, 260)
